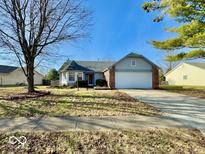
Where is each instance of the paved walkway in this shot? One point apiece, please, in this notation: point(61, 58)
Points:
point(190, 111)
point(85, 123)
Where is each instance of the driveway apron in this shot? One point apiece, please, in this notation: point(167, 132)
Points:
point(190, 111)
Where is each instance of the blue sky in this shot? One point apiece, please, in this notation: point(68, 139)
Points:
point(120, 27)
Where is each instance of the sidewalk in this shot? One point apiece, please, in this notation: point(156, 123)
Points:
point(87, 123)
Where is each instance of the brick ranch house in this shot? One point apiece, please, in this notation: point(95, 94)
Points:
point(132, 71)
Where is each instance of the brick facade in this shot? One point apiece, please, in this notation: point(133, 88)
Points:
point(112, 77)
point(155, 77)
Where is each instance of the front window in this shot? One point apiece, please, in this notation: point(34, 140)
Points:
point(71, 76)
point(133, 62)
point(80, 76)
point(185, 77)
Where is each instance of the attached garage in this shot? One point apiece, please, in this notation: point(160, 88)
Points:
point(133, 72)
point(133, 80)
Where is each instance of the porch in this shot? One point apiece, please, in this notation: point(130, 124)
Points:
point(71, 77)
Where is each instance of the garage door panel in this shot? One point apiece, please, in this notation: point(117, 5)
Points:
point(133, 80)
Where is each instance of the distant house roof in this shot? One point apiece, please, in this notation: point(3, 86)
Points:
point(96, 66)
point(7, 69)
point(198, 64)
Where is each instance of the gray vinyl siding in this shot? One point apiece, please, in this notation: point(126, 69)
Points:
point(98, 75)
point(141, 65)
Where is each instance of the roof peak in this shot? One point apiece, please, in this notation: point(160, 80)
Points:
point(133, 54)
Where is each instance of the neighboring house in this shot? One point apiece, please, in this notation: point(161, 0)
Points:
point(132, 71)
point(192, 74)
point(10, 75)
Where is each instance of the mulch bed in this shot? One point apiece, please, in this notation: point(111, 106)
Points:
point(102, 88)
point(27, 95)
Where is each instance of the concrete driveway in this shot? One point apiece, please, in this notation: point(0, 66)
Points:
point(181, 108)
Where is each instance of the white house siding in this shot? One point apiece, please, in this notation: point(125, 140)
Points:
point(195, 75)
point(98, 75)
point(64, 77)
point(18, 76)
point(107, 77)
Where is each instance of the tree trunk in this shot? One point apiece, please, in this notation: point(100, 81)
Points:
point(30, 77)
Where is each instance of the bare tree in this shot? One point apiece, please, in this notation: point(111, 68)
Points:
point(29, 27)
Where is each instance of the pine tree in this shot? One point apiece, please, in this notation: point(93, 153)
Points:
point(190, 14)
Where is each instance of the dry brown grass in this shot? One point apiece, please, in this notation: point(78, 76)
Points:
point(159, 141)
point(6, 91)
point(70, 102)
point(193, 93)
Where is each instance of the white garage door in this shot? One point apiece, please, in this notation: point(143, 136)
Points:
point(133, 80)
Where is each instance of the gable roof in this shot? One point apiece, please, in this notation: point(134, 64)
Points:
point(197, 64)
point(173, 69)
point(72, 65)
point(134, 55)
point(7, 69)
point(96, 66)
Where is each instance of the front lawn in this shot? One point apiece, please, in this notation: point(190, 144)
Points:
point(70, 102)
point(195, 91)
point(159, 141)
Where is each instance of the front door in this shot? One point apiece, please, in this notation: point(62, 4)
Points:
point(90, 79)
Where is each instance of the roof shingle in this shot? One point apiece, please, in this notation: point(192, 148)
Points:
point(198, 64)
point(7, 69)
point(96, 66)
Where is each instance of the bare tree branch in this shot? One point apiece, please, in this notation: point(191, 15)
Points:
point(29, 27)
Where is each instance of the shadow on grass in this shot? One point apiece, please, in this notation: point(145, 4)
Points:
point(116, 96)
point(79, 105)
point(22, 110)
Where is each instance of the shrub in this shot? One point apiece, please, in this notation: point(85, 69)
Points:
point(46, 82)
point(101, 82)
point(82, 83)
point(53, 75)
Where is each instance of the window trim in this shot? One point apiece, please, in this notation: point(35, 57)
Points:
point(80, 76)
point(185, 77)
point(135, 63)
point(71, 73)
